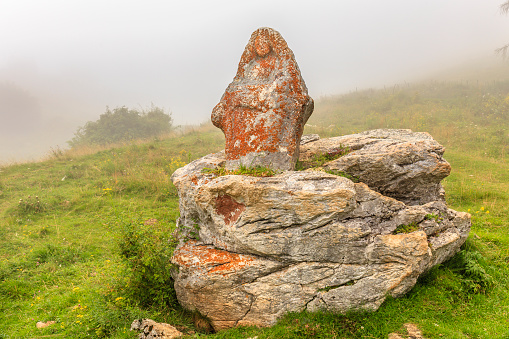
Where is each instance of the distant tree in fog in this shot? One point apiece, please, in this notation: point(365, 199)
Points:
point(19, 110)
point(123, 124)
point(504, 8)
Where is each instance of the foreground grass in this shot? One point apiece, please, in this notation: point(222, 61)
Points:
point(63, 246)
point(61, 221)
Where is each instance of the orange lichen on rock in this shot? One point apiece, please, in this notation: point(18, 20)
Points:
point(228, 208)
point(210, 259)
point(263, 111)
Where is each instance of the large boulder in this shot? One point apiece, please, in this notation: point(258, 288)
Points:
point(252, 248)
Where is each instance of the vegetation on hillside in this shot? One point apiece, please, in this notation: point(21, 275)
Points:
point(85, 236)
point(123, 124)
point(459, 115)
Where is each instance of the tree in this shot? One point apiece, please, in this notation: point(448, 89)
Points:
point(123, 124)
point(504, 9)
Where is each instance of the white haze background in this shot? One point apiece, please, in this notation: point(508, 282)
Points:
point(63, 62)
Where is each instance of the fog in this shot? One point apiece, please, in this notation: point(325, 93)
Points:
point(62, 62)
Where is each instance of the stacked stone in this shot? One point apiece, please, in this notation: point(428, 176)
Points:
point(254, 248)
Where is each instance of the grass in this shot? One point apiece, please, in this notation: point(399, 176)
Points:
point(253, 171)
point(412, 227)
point(319, 159)
point(91, 222)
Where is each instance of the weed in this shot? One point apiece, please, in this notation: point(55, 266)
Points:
point(319, 159)
point(195, 232)
point(31, 205)
point(432, 216)
point(412, 227)
point(472, 267)
point(56, 153)
point(300, 165)
point(343, 174)
point(322, 158)
point(146, 249)
point(256, 171)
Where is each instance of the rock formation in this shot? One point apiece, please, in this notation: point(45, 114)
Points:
point(400, 164)
point(253, 249)
point(263, 111)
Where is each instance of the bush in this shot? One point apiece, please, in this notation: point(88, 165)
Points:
point(469, 272)
point(473, 268)
point(123, 124)
point(146, 249)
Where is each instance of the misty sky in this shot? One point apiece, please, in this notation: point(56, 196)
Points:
point(62, 62)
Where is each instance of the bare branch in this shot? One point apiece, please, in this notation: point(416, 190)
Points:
point(503, 51)
point(504, 8)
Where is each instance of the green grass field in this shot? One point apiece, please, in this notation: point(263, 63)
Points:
point(86, 236)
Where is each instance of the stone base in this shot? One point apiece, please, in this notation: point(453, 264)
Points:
point(253, 249)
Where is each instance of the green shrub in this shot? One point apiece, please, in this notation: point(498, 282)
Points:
point(123, 124)
point(146, 249)
point(472, 267)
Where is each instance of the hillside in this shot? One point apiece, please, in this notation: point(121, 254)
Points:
point(86, 235)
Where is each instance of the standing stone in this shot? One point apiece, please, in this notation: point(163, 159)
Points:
point(263, 111)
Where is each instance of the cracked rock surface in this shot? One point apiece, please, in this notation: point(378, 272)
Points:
point(398, 163)
point(252, 249)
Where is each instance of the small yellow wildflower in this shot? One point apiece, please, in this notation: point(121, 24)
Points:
point(487, 212)
point(119, 298)
point(482, 208)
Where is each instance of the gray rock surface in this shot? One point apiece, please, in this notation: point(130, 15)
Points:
point(253, 249)
point(401, 164)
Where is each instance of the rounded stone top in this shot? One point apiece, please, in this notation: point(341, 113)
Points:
point(262, 46)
